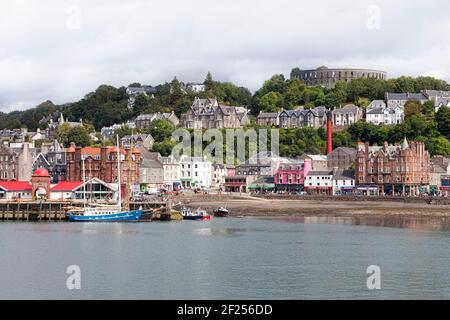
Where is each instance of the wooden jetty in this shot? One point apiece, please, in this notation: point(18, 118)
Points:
point(56, 211)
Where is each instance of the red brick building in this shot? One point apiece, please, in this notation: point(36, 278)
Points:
point(400, 169)
point(101, 163)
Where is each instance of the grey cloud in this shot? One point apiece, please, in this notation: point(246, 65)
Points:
point(43, 57)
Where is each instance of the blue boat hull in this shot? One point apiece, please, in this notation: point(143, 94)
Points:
point(118, 217)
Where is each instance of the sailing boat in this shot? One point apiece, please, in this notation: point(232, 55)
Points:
point(104, 213)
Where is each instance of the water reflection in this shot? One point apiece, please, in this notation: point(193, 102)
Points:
point(219, 231)
point(423, 224)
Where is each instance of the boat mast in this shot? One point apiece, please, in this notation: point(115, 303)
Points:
point(84, 182)
point(118, 174)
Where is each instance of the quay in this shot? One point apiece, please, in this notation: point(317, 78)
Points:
point(55, 211)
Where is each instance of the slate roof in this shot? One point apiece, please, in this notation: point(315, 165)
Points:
point(406, 96)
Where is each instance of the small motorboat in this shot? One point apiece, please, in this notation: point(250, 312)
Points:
point(198, 214)
point(221, 212)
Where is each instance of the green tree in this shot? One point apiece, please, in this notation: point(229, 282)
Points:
point(67, 134)
point(443, 121)
point(123, 131)
point(164, 147)
point(161, 130)
point(412, 107)
point(438, 146)
point(271, 102)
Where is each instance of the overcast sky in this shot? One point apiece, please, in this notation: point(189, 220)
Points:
point(61, 50)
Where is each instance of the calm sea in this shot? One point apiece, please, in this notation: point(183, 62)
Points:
point(227, 258)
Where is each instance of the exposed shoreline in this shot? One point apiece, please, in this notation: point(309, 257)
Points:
point(261, 207)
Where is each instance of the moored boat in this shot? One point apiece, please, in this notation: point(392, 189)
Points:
point(221, 212)
point(199, 214)
point(104, 213)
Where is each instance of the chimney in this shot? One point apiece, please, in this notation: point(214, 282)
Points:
point(329, 132)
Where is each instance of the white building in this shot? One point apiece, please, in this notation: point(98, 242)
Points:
point(347, 115)
point(195, 172)
point(64, 190)
point(319, 182)
point(441, 102)
point(376, 104)
point(172, 173)
point(196, 87)
point(343, 181)
point(385, 115)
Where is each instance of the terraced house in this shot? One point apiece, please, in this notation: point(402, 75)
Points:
point(209, 114)
point(314, 118)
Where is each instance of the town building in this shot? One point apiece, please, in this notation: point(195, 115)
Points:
point(14, 135)
point(267, 119)
point(341, 158)
point(195, 172)
point(151, 172)
point(52, 157)
point(144, 121)
point(264, 184)
point(399, 99)
point(319, 182)
point(318, 162)
point(439, 171)
point(401, 169)
point(209, 114)
point(231, 170)
point(264, 163)
point(347, 115)
point(219, 172)
point(440, 98)
point(145, 141)
point(110, 132)
point(238, 183)
point(101, 163)
point(314, 118)
point(387, 116)
point(343, 181)
point(381, 104)
point(40, 188)
point(195, 87)
point(290, 177)
point(134, 92)
point(328, 77)
point(172, 173)
point(52, 126)
point(16, 162)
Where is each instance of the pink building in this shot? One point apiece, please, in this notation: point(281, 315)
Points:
point(231, 170)
point(291, 176)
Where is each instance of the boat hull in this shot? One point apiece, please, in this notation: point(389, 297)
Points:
point(221, 214)
point(197, 218)
point(130, 216)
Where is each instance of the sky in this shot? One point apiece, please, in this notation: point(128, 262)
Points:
point(60, 50)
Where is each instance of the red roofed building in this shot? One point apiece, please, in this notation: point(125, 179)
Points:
point(40, 184)
point(10, 190)
point(65, 190)
point(101, 163)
